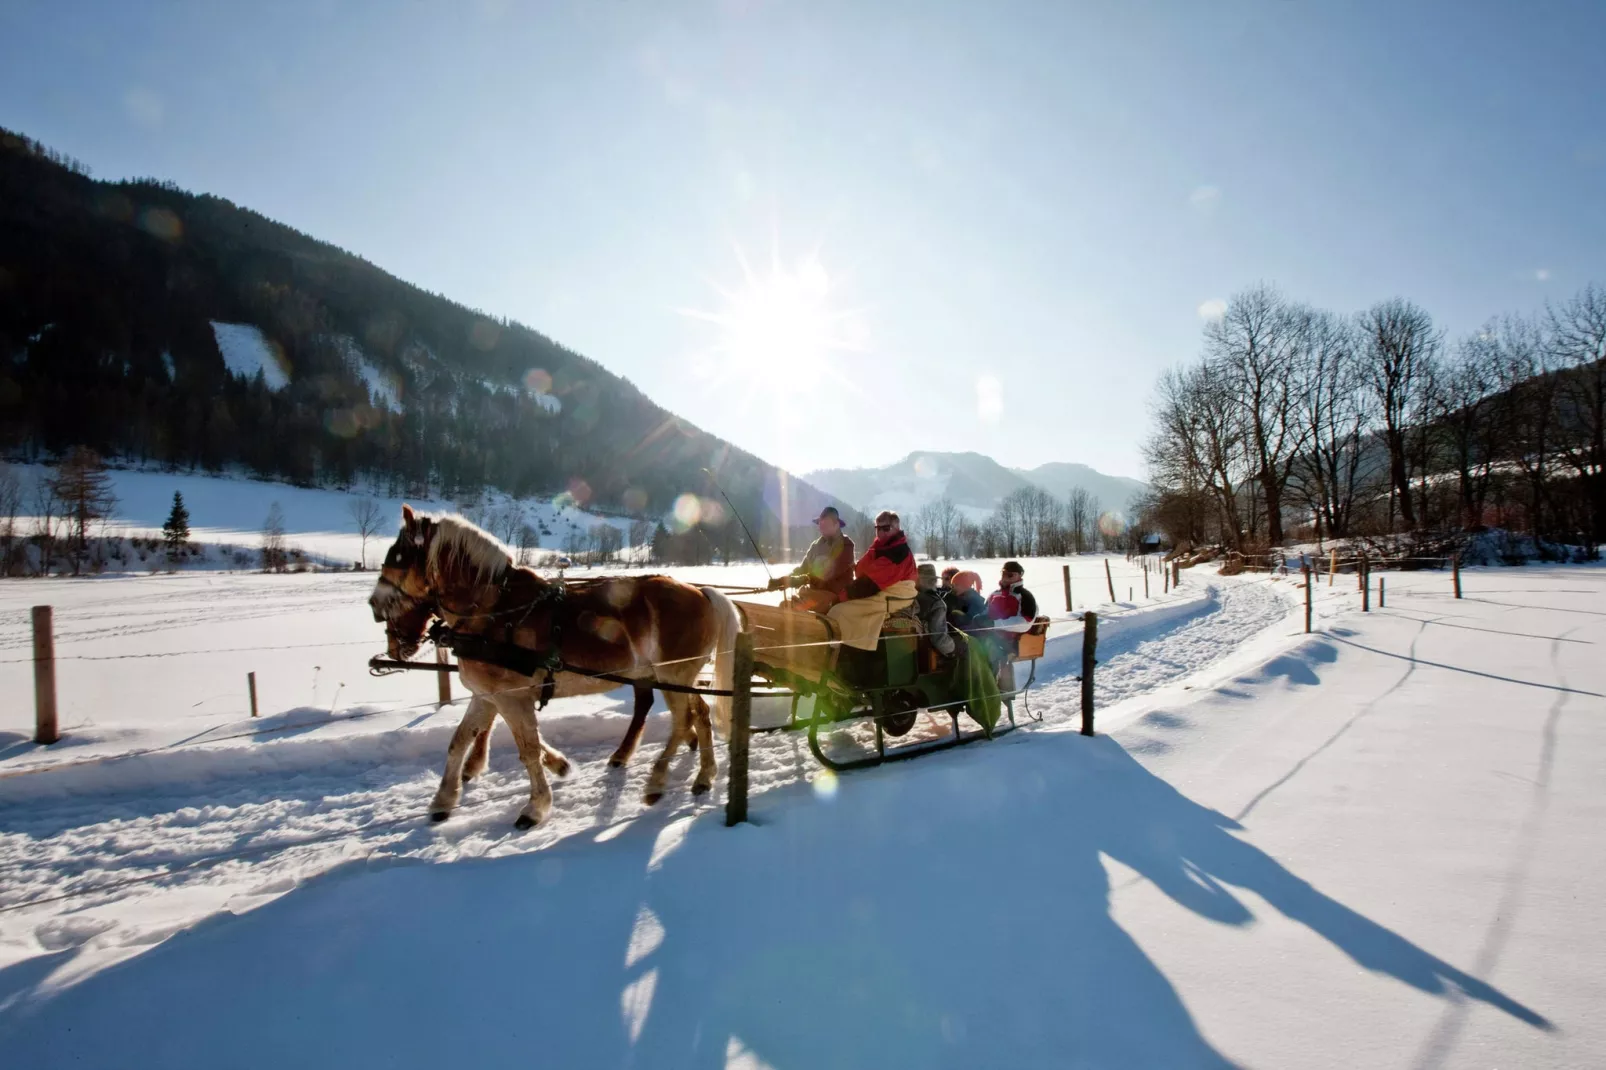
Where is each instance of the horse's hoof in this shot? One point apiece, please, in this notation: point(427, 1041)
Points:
point(524, 822)
point(616, 762)
point(652, 797)
point(562, 768)
point(700, 789)
point(438, 816)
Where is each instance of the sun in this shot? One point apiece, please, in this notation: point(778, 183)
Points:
point(784, 320)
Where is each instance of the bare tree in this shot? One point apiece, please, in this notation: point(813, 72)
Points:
point(1199, 443)
point(367, 516)
point(11, 498)
point(1578, 333)
point(84, 490)
point(275, 558)
point(945, 520)
point(1468, 409)
point(1400, 344)
point(1258, 346)
point(1334, 409)
point(1081, 515)
point(640, 533)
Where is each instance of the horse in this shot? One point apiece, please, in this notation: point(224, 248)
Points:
point(652, 629)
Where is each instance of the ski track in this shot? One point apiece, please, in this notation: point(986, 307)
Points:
point(157, 849)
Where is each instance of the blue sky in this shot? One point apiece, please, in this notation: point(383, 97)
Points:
point(969, 225)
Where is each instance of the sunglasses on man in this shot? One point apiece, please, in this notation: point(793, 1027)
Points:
point(883, 527)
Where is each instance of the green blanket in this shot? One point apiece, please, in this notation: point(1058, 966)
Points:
point(973, 678)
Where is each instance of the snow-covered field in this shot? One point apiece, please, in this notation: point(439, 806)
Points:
point(1376, 846)
point(230, 511)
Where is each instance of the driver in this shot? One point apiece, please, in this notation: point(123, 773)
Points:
point(826, 569)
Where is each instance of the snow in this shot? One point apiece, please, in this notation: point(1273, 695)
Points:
point(1375, 845)
point(247, 351)
point(230, 511)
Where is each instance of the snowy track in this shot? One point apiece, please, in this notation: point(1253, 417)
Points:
point(120, 853)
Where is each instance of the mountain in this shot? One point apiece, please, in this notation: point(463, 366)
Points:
point(972, 481)
point(162, 326)
point(1059, 478)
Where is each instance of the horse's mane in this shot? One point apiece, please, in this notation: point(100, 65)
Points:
point(460, 542)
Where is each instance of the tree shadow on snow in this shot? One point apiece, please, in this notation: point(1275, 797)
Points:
point(954, 914)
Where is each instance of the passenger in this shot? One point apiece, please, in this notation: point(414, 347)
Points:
point(1012, 606)
point(947, 583)
point(884, 583)
point(826, 569)
point(1012, 609)
point(932, 610)
point(967, 609)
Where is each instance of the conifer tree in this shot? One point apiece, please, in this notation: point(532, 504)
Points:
point(176, 531)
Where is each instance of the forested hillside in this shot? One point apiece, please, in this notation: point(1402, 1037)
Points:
point(144, 321)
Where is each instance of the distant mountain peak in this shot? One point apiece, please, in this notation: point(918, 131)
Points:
point(972, 481)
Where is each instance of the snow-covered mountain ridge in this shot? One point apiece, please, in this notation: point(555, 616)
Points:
point(974, 482)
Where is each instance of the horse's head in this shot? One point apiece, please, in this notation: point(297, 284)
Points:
point(402, 600)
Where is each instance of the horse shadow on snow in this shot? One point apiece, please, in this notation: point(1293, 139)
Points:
point(879, 928)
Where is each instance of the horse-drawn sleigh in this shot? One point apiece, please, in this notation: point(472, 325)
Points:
point(522, 640)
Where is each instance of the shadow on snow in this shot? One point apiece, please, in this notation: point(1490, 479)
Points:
point(877, 928)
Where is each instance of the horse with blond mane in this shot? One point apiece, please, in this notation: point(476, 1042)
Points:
point(651, 629)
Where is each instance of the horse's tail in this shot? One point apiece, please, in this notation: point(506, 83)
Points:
point(728, 624)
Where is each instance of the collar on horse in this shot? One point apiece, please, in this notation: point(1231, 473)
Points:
point(505, 653)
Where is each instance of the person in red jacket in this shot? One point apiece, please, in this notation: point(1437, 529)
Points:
point(883, 583)
point(888, 560)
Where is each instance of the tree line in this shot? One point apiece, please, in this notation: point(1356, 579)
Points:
point(1297, 422)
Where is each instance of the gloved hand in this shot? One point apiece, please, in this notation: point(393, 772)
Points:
point(778, 583)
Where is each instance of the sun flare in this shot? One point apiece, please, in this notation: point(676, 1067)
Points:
point(783, 321)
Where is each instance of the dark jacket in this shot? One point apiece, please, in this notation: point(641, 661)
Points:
point(888, 561)
point(827, 564)
point(932, 609)
point(967, 609)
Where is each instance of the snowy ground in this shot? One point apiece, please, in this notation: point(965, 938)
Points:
point(1374, 846)
point(229, 511)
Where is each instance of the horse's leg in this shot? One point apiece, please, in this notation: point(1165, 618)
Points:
point(479, 755)
point(638, 719)
point(554, 759)
point(679, 729)
point(518, 710)
point(707, 767)
point(476, 719)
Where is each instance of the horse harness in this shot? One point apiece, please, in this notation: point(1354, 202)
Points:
point(506, 654)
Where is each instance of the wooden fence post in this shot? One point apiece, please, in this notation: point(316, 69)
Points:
point(251, 686)
point(1455, 563)
point(1366, 587)
point(1382, 593)
point(1145, 581)
point(1176, 573)
point(44, 677)
point(1308, 578)
point(1090, 645)
point(741, 730)
point(1332, 567)
point(1109, 579)
point(1067, 569)
point(445, 692)
point(1360, 573)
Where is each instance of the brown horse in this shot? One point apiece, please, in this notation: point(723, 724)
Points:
point(648, 628)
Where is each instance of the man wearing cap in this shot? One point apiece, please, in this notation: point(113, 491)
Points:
point(827, 566)
point(932, 610)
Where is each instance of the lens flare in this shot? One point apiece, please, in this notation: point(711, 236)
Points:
point(686, 512)
point(825, 785)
